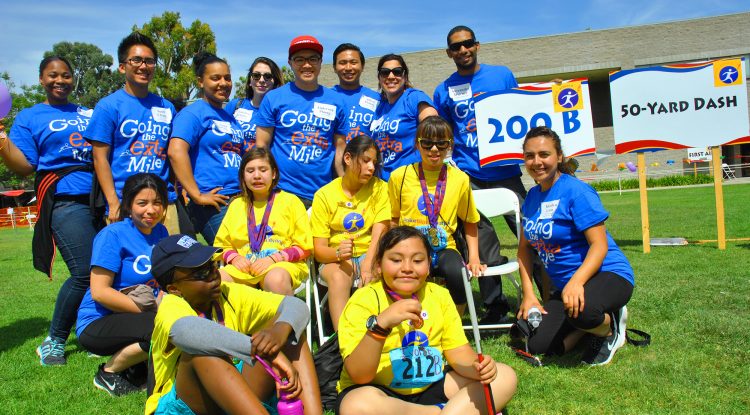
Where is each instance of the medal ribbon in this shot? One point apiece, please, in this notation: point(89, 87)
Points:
point(396, 297)
point(217, 312)
point(433, 208)
point(258, 235)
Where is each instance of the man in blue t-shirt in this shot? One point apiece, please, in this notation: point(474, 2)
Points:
point(454, 100)
point(361, 101)
point(304, 124)
point(130, 128)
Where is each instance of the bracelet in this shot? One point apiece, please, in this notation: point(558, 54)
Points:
point(272, 258)
point(338, 255)
point(377, 336)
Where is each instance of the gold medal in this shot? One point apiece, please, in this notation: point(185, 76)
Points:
point(433, 233)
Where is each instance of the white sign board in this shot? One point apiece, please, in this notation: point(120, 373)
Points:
point(669, 107)
point(504, 117)
point(699, 154)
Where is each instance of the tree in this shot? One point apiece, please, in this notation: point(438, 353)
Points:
point(92, 72)
point(287, 74)
point(239, 87)
point(176, 46)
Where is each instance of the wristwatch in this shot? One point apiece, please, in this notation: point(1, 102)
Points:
point(372, 325)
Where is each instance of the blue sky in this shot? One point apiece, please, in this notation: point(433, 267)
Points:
point(247, 29)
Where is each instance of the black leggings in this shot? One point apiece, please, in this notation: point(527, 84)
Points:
point(449, 265)
point(107, 335)
point(604, 293)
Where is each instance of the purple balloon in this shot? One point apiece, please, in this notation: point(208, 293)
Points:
point(5, 100)
point(631, 166)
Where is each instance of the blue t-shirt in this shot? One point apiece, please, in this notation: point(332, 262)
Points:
point(454, 100)
point(51, 138)
point(244, 116)
point(216, 146)
point(395, 129)
point(303, 141)
point(361, 104)
point(554, 221)
point(136, 130)
point(124, 250)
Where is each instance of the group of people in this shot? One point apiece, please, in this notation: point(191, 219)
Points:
point(374, 186)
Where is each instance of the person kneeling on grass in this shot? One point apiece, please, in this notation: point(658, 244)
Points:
point(403, 344)
point(203, 323)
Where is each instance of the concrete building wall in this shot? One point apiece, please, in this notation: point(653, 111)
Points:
point(593, 54)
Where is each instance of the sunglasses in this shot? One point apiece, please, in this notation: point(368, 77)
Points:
point(204, 273)
point(398, 72)
point(268, 77)
point(468, 44)
point(428, 144)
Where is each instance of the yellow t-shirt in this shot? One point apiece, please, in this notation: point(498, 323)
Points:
point(245, 310)
point(289, 226)
point(442, 329)
point(336, 217)
point(407, 201)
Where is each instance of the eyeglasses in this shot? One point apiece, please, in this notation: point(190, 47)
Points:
point(268, 77)
point(398, 72)
point(312, 60)
point(204, 273)
point(428, 144)
point(138, 61)
point(468, 44)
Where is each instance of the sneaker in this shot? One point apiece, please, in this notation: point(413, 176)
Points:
point(51, 352)
point(113, 383)
point(603, 349)
point(137, 375)
point(496, 316)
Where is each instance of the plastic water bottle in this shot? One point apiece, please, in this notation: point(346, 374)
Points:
point(535, 317)
point(288, 406)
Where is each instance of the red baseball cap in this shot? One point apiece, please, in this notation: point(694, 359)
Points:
point(305, 42)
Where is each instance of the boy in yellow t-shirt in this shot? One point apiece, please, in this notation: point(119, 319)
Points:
point(203, 323)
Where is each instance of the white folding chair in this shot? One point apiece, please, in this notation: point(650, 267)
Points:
point(305, 286)
point(728, 172)
point(492, 203)
point(31, 218)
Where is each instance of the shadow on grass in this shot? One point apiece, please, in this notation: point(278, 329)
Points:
point(18, 332)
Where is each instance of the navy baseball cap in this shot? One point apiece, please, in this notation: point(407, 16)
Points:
point(178, 251)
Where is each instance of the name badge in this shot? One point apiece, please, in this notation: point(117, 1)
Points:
point(243, 115)
point(548, 209)
point(161, 114)
point(460, 92)
point(223, 126)
point(368, 103)
point(324, 111)
point(85, 113)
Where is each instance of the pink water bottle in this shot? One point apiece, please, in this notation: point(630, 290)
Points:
point(288, 406)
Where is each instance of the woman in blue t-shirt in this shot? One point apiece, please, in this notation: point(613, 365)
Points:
point(563, 221)
point(47, 139)
point(263, 76)
point(116, 316)
point(400, 110)
point(206, 146)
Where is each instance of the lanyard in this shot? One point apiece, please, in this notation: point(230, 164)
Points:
point(217, 312)
point(433, 208)
point(396, 297)
point(257, 235)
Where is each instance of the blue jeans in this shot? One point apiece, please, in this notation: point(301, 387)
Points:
point(74, 231)
point(206, 220)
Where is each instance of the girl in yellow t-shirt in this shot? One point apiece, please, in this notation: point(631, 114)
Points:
point(432, 195)
point(348, 216)
point(266, 245)
point(399, 334)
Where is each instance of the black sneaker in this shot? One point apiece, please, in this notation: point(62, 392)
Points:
point(496, 316)
point(113, 383)
point(137, 375)
point(603, 349)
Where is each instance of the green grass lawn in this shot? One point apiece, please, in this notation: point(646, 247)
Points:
point(692, 299)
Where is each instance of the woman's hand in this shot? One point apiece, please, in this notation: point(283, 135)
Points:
point(365, 277)
point(114, 211)
point(293, 388)
point(346, 247)
point(268, 342)
point(212, 198)
point(401, 310)
point(487, 369)
point(476, 269)
point(572, 297)
point(527, 304)
point(242, 263)
point(261, 265)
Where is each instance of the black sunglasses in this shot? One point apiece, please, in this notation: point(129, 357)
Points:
point(428, 144)
point(468, 44)
point(266, 76)
point(204, 273)
point(398, 72)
